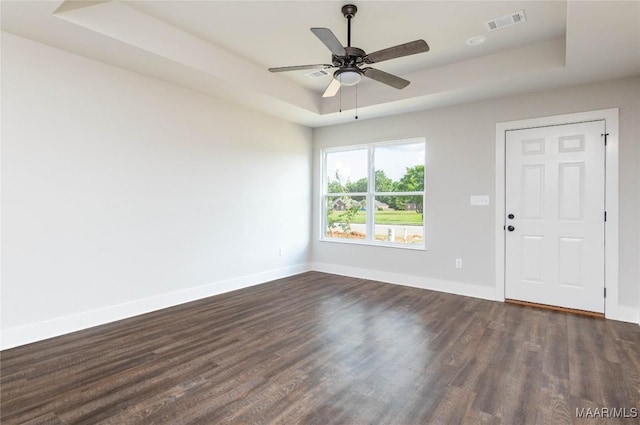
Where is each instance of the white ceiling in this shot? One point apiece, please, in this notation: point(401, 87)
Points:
point(224, 48)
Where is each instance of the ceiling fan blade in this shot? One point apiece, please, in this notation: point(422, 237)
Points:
point(300, 67)
point(332, 89)
point(330, 40)
point(410, 48)
point(386, 78)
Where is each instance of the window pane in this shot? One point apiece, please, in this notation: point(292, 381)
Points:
point(347, 171)
point(345, 217)
point(399, 225)
point(400, 168)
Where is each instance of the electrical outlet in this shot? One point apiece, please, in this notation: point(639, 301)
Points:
point(458, 263)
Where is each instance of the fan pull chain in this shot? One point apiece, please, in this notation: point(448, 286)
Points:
point(340, 90)
point(356, 101)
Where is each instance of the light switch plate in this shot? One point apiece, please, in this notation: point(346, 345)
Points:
point(479, 200)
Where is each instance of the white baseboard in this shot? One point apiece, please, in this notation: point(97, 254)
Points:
point(33, 332)
point(21, 335)
point(620, 313)
point(452, 287)
point(623, 314)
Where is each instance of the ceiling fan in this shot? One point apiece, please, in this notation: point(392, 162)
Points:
point(350, 60)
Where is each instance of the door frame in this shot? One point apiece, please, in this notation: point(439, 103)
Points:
point(612, 308)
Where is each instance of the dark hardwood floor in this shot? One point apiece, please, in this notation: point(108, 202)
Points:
point(324, 349)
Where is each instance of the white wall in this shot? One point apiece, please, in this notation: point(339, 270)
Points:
point(460, 163)
point(122, 193)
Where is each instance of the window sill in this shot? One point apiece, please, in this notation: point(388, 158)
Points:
point(411, 247)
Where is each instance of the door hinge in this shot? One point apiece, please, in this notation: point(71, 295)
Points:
point(605, 216)
point(605, 137)
point(605, 292)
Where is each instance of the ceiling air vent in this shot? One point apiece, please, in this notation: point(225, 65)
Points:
point(317, 73)
point(505, 21)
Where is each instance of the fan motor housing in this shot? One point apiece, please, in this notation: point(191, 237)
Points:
point(354, 52)
point(353, 55)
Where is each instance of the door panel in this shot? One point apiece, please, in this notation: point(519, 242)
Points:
point(555, 180)
point(571, 186)
point(532, 191)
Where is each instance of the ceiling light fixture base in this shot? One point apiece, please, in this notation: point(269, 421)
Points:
point(349, 10)
point(476, 40)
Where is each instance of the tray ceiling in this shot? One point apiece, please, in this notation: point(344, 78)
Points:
point(224, 48)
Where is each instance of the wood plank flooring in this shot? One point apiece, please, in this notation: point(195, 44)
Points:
point(324, 349)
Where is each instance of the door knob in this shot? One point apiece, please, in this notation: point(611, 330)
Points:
point(511, 228)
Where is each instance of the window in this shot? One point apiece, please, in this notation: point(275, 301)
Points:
point(374, 194)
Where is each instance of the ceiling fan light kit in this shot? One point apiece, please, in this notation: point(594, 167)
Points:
point(351, 61)
point(348, 76)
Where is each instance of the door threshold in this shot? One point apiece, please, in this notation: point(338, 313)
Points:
point(556, 308)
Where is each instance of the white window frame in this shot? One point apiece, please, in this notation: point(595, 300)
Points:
point(370, 196)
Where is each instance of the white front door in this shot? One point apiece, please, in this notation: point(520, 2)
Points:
point(554, 238)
